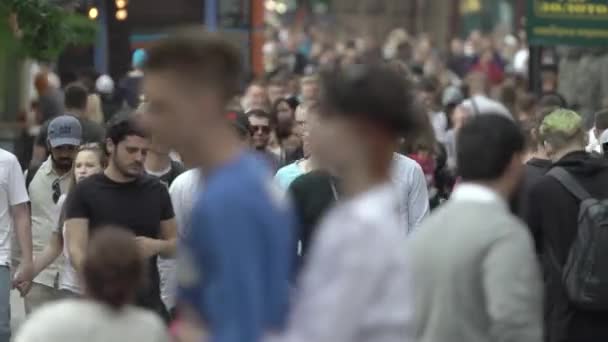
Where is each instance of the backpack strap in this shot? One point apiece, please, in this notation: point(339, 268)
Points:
point(31, 172)
point(570, 183)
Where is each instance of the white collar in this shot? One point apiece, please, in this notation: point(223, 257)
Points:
point(473, 192)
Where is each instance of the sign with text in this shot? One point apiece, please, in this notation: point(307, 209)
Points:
point(567, 22)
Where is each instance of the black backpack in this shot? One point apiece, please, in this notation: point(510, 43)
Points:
point(585, 275)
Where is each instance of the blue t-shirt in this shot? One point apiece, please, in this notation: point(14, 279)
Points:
point(237, 258)
point(288, 174)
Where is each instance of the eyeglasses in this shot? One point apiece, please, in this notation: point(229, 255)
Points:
point(56, 190)
point(260, 128)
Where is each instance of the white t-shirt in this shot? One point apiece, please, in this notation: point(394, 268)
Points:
point(480, 104)
point(78, 320)
point(183, 192)
point(68, 277)
point(355, 285)
point(12, 192)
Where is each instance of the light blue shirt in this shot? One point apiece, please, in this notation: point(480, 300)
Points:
point(288, 174)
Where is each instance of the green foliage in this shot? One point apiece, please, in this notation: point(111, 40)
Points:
point(47, 29)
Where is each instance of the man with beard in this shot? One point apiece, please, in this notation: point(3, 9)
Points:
point(124, 196)
point(46, 185)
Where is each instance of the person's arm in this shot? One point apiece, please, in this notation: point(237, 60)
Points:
point(23, 229)
point(166, 244)
point(20, 214)
point(418, 197)
point(513, 288)
point(76, 239)
point(50, 253)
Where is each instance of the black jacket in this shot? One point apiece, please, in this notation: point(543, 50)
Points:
point(552, 215)
point(533, 171)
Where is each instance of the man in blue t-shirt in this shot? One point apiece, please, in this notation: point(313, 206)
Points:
point(236, 258)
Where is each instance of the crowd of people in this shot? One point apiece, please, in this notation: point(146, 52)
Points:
point(354, 193)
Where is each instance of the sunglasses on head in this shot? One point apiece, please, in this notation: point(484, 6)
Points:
point(56, 190)
point(259, 128)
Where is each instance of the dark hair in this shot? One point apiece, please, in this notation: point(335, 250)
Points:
point(552, 100)
point(291, 101)
point(486, 146)
point(372, 92)
point(76, 96)
point(200, 57)
point(113, 269)
point(428, 85)
point(122, 126)
point(601, 120)
point(277, 80)
point(259, 113)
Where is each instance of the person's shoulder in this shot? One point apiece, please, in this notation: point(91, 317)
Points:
point(55, 313)
point(186, 179)
point(92, 181)
point(7, 157)
point(544, 185)
point(311, 178)
point(146, 181)
point(283, 171)
point(142, 317)
point(405, 167)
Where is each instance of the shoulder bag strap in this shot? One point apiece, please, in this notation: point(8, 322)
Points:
point(570, 183)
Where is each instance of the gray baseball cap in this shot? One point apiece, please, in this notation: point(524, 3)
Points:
point(64, 130)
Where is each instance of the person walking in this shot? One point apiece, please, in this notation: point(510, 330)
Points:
point(554, 216)
point(123, 195)
point(113, 271)
point(89, 160)
point(348, 290)
point(234, 275)
point(480, 280)
point(14, 218)
point(46, 185)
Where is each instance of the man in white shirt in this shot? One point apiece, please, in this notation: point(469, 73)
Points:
point(479, 103)
point(353, 286)
point(14, 214)
point(51, 180)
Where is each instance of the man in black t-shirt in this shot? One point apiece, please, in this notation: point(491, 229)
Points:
point(124, 196)
point(76, 97)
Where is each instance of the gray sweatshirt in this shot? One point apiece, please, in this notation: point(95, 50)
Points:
point(475, 274)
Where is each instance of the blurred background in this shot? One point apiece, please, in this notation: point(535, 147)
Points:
point(80, 39)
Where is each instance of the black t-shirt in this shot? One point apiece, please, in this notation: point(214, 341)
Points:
point(313, 195)
point(92, 132)
point(139, 206)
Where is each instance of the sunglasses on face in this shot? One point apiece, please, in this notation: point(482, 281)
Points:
point(56, 190)
point(260, 128)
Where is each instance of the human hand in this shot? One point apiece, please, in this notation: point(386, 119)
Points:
point(24, 273)
point(148, 247)
point(24, 288)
